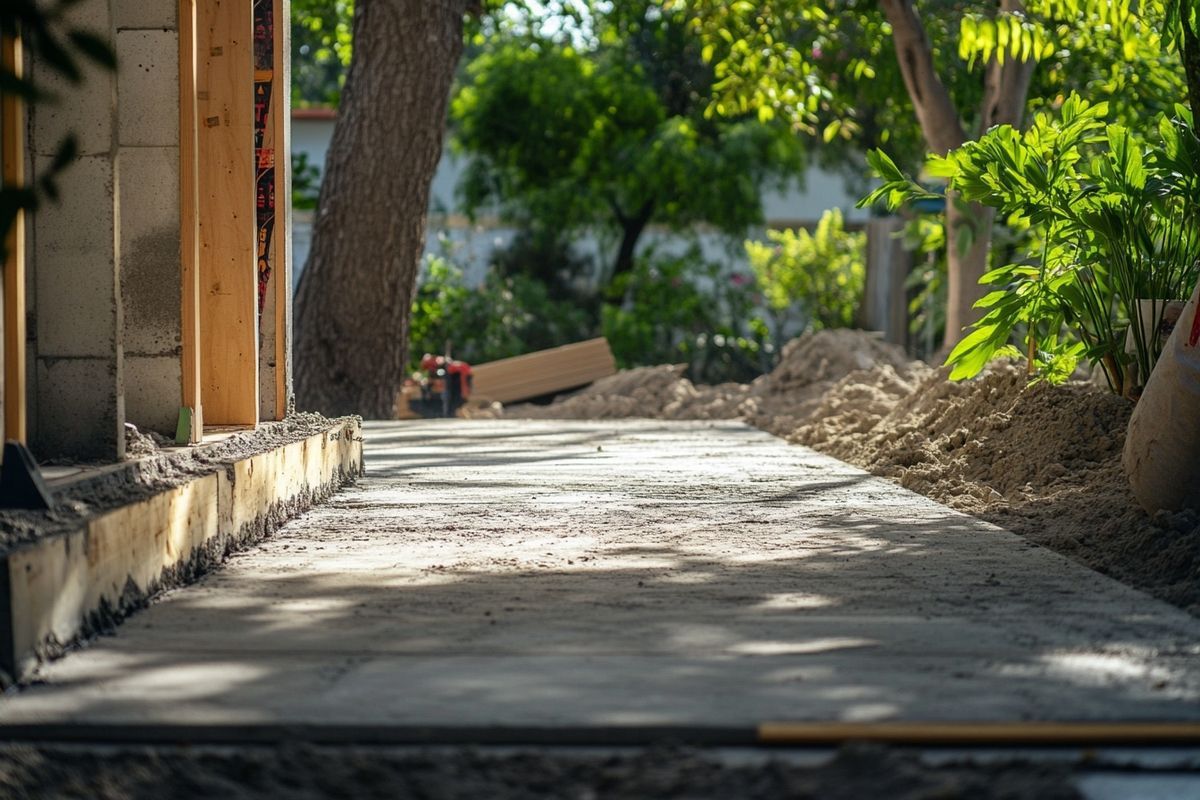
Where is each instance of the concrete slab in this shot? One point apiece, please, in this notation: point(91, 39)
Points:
point(632, 573)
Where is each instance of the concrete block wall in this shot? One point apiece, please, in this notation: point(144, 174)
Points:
point(147, 46)
point(104, 260)
point(77, 395)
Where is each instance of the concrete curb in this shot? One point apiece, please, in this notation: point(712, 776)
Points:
point(57, 590)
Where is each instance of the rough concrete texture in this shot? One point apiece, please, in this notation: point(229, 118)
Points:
point(632, 572)
point(146, 14)
point(148, 85)
point(153, 392)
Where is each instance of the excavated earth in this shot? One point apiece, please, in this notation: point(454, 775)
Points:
point(1042, 461)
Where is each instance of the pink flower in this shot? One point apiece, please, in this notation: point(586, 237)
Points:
point(738, 279)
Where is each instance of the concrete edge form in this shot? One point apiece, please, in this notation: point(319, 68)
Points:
point(57, 590)
point(997, 736)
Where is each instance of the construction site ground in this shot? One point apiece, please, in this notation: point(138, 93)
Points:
point(584, 575)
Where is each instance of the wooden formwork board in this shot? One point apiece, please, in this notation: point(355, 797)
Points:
point(51, 588)
point(226, 180)
point(544, 372)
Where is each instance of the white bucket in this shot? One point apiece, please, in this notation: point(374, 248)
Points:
point(1162, 448)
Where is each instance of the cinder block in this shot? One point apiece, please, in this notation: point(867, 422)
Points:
point(80, 410)
point(161, 14)
point(85, 111)
point(148, 81)
point(74, 264)
point(151, 282)
point(153, 392)
point(74, 267)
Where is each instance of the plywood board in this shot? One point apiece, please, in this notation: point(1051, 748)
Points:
point(544, 372)
point(226, 180)
point(12, 157)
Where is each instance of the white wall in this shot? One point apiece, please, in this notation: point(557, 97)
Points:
point(473, 244)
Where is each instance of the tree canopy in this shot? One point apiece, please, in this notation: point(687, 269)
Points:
point(603, 125)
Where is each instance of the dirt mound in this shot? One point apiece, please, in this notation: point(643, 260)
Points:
point(1042, 461)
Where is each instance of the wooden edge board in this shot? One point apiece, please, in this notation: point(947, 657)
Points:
point(54, 589)
point(979, 733)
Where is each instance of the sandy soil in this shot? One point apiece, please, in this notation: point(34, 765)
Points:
point(151, 469)
point(1042, 461)
point(319, 772)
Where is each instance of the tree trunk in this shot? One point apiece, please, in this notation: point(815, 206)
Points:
point(965, 267)
point(1189, 52)
point(1005, 88)
point(352, 306)
point(632, 229)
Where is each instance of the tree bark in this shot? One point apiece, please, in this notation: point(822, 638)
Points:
point(353, 302)
point(1005, 88)
point(632, 229)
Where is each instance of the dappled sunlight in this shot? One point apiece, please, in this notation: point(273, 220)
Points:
point(651, 590)
point(782, 648)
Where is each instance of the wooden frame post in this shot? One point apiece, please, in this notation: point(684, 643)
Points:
point(226, 192)
point(12, 155)
point(283, 194)
point(189, 219)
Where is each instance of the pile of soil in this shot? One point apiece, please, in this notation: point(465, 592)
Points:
point(305, 772)
point(1042, 461)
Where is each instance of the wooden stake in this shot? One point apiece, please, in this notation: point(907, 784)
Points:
point(12, 155)
point(189, 219)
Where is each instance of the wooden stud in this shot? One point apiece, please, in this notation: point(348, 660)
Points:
point(12, 156)
point(189, 220)
point(283, 206)
point(228, 278)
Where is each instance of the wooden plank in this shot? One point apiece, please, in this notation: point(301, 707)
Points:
point(283, 226)
point(535, 374)
point(228, 280)
point(979, 733)
point(189, 218)
point(12, 156)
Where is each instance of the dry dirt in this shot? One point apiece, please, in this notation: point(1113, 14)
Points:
point(303, 772)
point(1042, 461)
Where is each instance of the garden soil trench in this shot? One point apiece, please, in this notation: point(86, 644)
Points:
point(629, 573)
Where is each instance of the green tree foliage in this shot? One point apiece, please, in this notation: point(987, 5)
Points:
point(1115, 220)
point(61, 49)
point(322, 45)
point(964, 68)
point(823, 272)
point(604, 128)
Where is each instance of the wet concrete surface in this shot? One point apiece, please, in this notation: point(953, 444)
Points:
point(629, 573)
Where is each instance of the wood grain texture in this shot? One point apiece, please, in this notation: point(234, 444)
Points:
point(12, 156)
point(283, 209)
point(546, 371)
point(228, 278)
point(189, 220)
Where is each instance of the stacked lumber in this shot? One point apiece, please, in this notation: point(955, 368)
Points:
point(544, 372)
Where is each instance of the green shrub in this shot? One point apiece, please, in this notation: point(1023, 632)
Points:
point(681, 310)
point(1112, 218)
point(503, 317)
point(822, 273)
